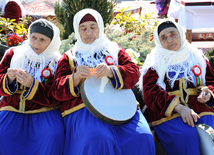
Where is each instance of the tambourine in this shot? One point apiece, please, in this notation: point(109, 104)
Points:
point(110, 105)
point(206, 137)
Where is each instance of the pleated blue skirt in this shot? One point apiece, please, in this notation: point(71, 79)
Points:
point(31, 134)
point(178, 138)
point(87, 135)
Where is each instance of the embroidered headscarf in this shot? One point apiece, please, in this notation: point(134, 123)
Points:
point(163, 60)
point(86, 51)
point(3, 3)
point(26, 58)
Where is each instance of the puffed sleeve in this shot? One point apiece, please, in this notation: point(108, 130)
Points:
point(126, 73)
point(156, 98)
point(63, 88)
point(6, 89)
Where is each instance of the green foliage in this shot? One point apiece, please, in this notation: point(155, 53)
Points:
point(210, 56)
point(67, 44)
point(9, 27)
point(139, 43)
point(68, 8)
point(131, 24)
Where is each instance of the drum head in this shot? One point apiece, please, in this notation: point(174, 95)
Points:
point(118, 105)
point(206, 142)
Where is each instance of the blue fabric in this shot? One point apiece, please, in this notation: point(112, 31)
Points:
point(31, 134)
point(87, 135)
point(13, 86)
point(178, 138)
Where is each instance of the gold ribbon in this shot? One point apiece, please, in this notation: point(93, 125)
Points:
point(22, 101)
point(189, 91)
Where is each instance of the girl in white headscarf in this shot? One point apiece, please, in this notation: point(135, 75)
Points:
point(177, 86)
point(31, 122)
point(86, 134)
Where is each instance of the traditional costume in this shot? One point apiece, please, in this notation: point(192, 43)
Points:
point(86, 134)
point(12, 9)
point(169, 78)
point(30, 121)
point(162, 7)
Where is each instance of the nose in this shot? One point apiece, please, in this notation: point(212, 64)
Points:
point(169, 39)
point(88, 31)
point(36, 42)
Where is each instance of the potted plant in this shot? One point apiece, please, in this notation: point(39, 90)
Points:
point(11, 33)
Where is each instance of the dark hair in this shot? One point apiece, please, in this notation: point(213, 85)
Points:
point(42, 27)
point(165, 25)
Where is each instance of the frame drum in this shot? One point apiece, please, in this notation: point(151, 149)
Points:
point(206, 138)
point(113, 106)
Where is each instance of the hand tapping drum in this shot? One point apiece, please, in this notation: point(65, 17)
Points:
point(110, 105)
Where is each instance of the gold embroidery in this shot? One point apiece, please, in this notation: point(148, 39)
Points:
point(172, 105)
point(43, 109)
point(66, 112)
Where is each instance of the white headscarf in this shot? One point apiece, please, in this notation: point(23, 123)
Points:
point(26, 58)
point(3, 3)
point(163, 60)
point(101, 43)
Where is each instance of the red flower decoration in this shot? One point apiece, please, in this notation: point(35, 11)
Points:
point(14, 40)
point(152, 37)
point(10, 43)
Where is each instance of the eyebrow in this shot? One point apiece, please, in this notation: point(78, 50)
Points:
point(169, 32)
point(89, 25)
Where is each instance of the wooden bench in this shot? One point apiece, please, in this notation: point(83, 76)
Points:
point(158, 147)
point(155, 136)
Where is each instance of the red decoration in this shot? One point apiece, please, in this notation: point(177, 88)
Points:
point(196, 70)
point(46, 73)
point(109, 60)
point(14, 40)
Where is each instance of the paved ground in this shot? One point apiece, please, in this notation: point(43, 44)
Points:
point(148, 7)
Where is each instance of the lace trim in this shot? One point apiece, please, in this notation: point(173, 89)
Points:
point(91, 59)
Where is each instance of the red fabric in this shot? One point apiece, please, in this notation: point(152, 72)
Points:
point(87, 18)
point(60, 88)
point(13, 11)
point(158, 100)
point(41, 99)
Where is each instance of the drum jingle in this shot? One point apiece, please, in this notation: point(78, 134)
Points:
point(110, 105)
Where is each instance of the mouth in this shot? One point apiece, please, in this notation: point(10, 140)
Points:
point(172, 45)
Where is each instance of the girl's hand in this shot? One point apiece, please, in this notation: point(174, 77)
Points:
point(11, 73)
point(204, 96)
point(24, 78)
point(103, 70)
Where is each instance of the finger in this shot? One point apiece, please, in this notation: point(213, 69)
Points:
point(184, 119)
point(195, 117)
point(190, 121)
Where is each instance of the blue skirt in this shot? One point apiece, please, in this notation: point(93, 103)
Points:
point(87, 135)
point(31, 134)
point(178, 138)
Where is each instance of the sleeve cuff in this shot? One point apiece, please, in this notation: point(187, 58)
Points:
point(29, 93)
point(210, 103)
point(75, 92)
point(117, 80)
point(171, 106)
point(9, 89)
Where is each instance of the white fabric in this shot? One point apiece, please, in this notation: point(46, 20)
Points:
point(25, 58)
point(163, 60)
point(4, 3)
point(100, 44)
point(192, 17)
